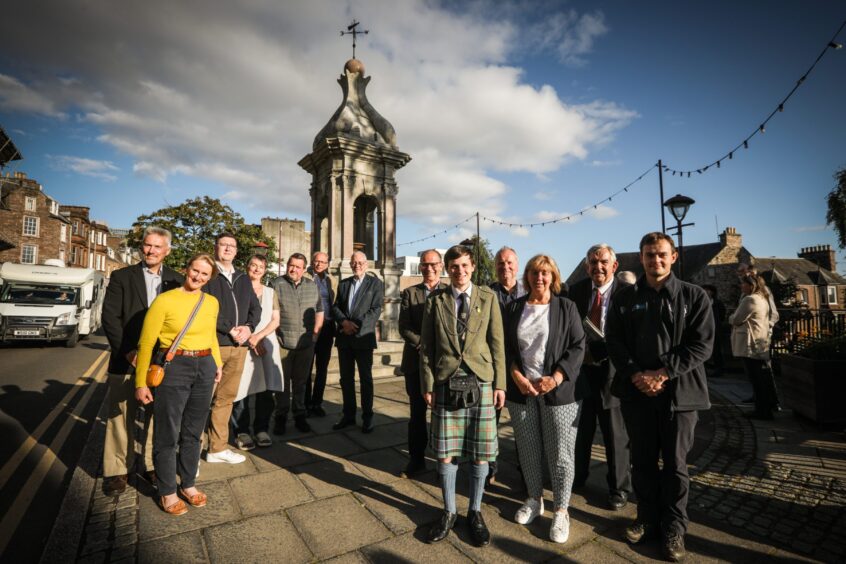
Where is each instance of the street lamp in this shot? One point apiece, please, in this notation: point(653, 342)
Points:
point(679, 206)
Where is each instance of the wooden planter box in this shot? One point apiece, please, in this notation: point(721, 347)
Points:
point(814, 388)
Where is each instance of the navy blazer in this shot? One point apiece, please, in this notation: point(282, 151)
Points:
point(565, 347)
point(365, 312)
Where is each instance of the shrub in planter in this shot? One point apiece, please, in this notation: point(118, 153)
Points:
point(813, 381)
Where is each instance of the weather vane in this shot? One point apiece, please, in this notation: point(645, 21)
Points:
point(351, 30)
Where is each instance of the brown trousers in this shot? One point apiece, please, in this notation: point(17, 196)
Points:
point(221, 408)
point(119, 447)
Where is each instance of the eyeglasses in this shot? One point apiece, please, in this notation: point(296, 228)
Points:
point(358, 262)
point(319, 262)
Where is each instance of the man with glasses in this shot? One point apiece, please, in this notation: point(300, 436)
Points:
point(357, 309)
point(410, 323)
point(327, 286)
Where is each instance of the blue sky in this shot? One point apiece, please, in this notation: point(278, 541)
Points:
point(524, 111)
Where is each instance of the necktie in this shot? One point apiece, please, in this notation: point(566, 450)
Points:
point(463, 315)
point(596, 310)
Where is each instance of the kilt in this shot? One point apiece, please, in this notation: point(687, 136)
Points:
point(466, 433)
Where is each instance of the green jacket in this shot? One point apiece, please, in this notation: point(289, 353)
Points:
point(484, 349)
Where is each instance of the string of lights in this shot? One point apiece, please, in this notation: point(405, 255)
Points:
point(439, 233)
point(580, 212)
point(830, 45)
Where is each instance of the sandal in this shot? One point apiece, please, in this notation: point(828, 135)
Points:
point(199, 499)
point(178, 507)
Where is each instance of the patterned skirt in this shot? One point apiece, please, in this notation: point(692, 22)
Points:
point(467, 433)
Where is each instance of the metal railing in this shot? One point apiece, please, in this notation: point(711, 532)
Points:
point(798, 328)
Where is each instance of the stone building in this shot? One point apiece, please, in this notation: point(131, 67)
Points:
point(31, 228)
point(290, 237)
point(89, 246)
point(812, 276)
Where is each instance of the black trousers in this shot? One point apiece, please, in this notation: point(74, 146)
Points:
point(614, 436)
point(348, 359)
point(763, 386)
point(418, 434)
point(181, 409)
point(655, 430)
point(322, 354)
point(264, 409)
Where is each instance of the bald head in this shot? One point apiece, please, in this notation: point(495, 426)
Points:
point(358, 264)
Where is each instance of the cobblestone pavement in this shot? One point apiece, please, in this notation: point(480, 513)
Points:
point(760, 491)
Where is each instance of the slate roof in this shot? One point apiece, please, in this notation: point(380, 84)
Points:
point(801, 271)
point(8, 151)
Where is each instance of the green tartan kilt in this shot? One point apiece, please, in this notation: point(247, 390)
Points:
point(467, 433)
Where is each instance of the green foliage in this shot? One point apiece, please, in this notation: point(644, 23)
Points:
point(195, 224)
point(836, 200)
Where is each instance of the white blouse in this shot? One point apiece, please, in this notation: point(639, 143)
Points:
point(532, 334)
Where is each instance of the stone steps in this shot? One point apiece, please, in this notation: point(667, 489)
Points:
point(387, 359)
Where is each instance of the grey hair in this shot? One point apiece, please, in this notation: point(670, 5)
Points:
point(504, 249)
point(160, 231)
point(436, 251)
point(599, 247)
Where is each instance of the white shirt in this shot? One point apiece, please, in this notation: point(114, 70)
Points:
point(227, 273)
point(356, 284)
point(532, 334)
point(605, 297)
point(456, 292)
point(153, 283)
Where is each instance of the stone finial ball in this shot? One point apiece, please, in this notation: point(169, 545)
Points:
point(354, 65)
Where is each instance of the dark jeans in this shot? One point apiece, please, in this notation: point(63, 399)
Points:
point(614, 435)
point(655, 430)
point(295, 368)
point(418, 434)
point(348, 359)
point(181, 409)
point(763, 386)
point(261, 421)
point(322, 354)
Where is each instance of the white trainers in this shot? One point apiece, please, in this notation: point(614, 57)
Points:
point(225, 456)
point(560, 530)
point(530, 511)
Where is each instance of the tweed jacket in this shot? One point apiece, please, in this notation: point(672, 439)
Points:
point(484, 349)
point(410, 324)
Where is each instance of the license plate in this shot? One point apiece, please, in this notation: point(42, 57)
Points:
point(27, 332)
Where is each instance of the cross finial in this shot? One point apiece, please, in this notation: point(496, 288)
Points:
point(352, 30)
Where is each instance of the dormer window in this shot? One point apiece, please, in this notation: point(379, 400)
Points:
point(831, 295)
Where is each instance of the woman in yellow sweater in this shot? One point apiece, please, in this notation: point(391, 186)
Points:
point(182, 401)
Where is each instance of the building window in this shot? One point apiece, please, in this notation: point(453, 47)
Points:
point(54, 207)
point(30, 226)
point(62, 255)
point(805, 296)
point(76, 228)
point(73, 255)
point(29, 203)
point(29, 254)
point(831, 292)
point(63, 233)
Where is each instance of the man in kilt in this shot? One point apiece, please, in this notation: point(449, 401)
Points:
point(462, 366)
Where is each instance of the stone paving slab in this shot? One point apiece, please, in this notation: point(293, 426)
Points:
point(268, 492)
point(154, 523)
point(401, 506)
point(259, 540)
point(383, 465)
point(185, 548)
point(331, 477)
point(407, 548)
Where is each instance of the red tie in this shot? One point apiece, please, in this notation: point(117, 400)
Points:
point(596, 310)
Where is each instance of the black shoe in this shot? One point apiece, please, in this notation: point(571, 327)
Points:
point(279, 427)
point(492, 470)
point(673, 547)
point(367, 426)
point(115, 485)
point(413, 468)
point(317, 412)
point(617, 501)
point(640, 531)
point(478, 530)
point(302, 425)
point(343, 422)
point(579, 482)
point(441, 529)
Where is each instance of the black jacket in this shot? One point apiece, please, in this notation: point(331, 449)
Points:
point(124, 308)
point(238, 305)
point(581, 293)
point(365, 313)
point(684, 358)
point(565, 347)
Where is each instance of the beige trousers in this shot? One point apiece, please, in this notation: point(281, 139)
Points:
point(119, 447)
point(221, 409)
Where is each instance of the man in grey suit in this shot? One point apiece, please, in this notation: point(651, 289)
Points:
point(410, 324)
point(356, 311)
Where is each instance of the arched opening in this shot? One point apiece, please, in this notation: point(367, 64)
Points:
point(366, 226)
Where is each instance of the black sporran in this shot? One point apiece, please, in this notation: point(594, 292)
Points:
point(464, 391)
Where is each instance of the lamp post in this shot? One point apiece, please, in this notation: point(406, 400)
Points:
point(679, 206)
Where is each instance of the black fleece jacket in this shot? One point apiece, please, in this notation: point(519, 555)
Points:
point(238, 305)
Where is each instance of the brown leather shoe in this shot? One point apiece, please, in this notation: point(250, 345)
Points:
point(199, 499)
point(115, 485)
point(178, 507)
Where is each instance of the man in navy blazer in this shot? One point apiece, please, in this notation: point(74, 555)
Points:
point(358, 306)
point(601, 264)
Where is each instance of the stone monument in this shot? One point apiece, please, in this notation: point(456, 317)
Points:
point(353, 190)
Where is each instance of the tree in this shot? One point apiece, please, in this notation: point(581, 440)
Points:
point(195, 224)
point(485, 268)
point(836, 201)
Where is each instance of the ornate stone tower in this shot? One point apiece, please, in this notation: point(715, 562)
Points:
point(353, 190)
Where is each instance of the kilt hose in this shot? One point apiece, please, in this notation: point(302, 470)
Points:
point(469, 433)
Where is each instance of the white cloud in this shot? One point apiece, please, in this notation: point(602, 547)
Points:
point(234, 93)
point(543, 196)
point(569, 35)
point(104, 170)
point(601, 163)
point(601, 212)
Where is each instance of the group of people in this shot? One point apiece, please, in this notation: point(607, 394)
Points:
point(628, 356)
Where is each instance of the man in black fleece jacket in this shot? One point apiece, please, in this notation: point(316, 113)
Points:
point(240, 312)
point(659, 334)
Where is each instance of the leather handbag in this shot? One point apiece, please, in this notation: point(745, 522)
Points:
point(156, 370)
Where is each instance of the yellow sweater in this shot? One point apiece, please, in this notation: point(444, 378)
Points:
point(166, 318)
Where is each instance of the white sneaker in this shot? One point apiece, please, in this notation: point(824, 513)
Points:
point(560, 530)
point(530, 511)
point(225, 456)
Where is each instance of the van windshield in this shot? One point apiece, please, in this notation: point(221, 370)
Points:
point(48, 295)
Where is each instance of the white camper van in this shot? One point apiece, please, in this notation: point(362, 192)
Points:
point(49, 303)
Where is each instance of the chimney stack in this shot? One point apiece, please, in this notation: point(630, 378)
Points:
point(821, 255)
point(731, 238)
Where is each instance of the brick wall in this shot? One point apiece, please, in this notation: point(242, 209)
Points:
point(18, 196)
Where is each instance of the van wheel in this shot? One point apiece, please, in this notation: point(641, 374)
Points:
point(74, 338)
